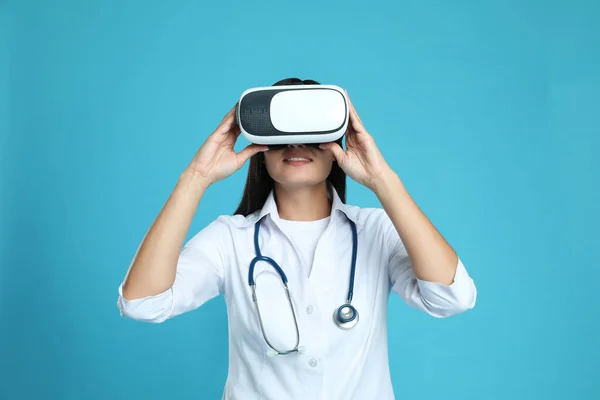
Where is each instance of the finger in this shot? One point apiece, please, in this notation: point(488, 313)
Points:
point(350, 131)
point(337, 151)
point(235, 130)
point(354, 118)
point(248, 152)
point(353, 109)
point(227, 137)
point(228, 122)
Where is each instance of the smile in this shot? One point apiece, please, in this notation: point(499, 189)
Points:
point(301, 159)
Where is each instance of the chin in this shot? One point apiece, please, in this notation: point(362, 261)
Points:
point(298, 182)
point(298, 179)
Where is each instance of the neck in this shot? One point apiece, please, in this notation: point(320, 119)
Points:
point(308, 203)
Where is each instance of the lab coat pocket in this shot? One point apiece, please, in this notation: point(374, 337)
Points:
point(275, 312)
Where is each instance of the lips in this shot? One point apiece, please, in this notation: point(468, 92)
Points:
point(296, 157)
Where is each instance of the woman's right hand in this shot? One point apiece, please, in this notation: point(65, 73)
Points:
point(217, 159)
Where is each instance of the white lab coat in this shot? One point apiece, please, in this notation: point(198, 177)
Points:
point(335, 364)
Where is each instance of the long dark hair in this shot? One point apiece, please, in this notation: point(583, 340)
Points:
point(259, 183)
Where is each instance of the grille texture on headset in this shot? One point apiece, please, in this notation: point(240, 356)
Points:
point(257, 121)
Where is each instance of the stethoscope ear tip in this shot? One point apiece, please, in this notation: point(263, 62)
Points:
point(271, 353)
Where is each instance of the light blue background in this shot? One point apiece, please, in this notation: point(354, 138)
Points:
point(489, 112)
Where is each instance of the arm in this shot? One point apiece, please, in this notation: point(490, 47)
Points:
point(431, 257)
point(423, 268)
point(153, 269)
point(165, 280)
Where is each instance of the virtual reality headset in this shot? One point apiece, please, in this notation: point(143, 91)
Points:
point(278, 116)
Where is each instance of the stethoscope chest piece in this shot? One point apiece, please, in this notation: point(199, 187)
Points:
point(346, 316)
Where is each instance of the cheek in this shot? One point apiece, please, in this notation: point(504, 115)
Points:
point(326, 158)
point(269, 160)
point(325, 164)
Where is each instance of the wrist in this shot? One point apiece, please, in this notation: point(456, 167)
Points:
point(386, 182)
point(192, 178)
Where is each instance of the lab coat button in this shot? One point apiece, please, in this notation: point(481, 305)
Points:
point(313, 362)
point(309, 309)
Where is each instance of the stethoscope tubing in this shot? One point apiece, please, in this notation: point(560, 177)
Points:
point(341, 320)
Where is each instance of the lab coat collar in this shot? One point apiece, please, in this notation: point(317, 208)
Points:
point(337, 207)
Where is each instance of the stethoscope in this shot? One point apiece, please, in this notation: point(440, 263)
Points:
point(345, 316)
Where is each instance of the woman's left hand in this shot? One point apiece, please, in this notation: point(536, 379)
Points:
point(362, 161)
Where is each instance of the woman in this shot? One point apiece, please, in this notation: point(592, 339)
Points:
point(304, 346)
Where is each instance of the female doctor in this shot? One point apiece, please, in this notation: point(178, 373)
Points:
point(306, 277)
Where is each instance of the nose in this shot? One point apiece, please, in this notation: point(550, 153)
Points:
point(296, 145)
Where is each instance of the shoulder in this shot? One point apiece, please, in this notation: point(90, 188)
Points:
point(217, 239)
point(224, 227)
point(237, 221)
point(376, 227)
point(370, 219)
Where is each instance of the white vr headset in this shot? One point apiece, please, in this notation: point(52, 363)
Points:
point(293, 114)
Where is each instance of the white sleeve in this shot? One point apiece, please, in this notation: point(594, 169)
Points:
point(434, 298)
point(200, 275)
